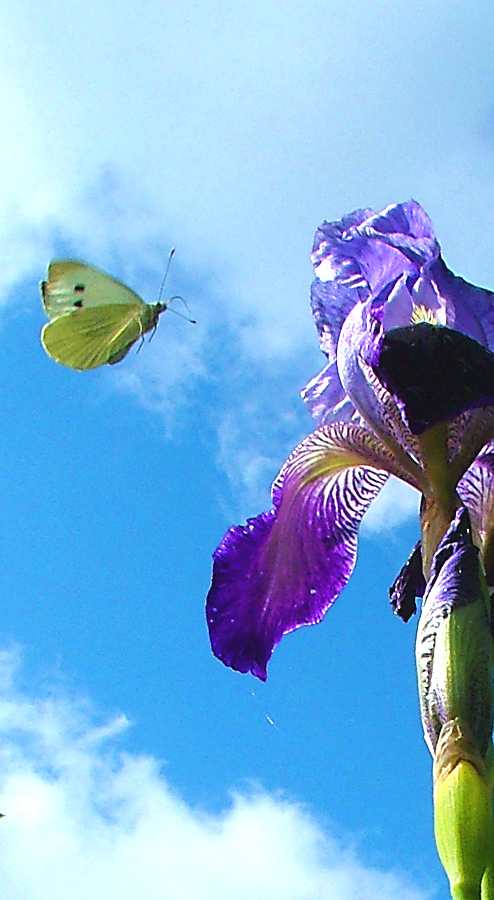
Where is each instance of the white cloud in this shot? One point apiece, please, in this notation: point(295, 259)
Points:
point(86, 820)
point(233, 136)
point(396, 504)
point(165, 376)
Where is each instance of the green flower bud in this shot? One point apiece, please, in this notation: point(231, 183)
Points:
point(463, 815)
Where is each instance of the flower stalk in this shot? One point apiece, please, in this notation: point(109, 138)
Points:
point(455, 666)
point(440, 501)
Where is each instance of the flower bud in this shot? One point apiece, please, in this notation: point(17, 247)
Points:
point(463, 814)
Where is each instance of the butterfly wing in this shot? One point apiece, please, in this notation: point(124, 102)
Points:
point(71, 285)
point(90, 337)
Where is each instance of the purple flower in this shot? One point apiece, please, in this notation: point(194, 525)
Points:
point(408, 390)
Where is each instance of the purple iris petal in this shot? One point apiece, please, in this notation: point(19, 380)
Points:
point(369, 250)
point(455, 583)
point(331, 303)
point(284, 568)
point(408, 585)
point(326, 398)
point(398, 308)
point(476, 490)
point(406, 228)
point(434, 373)
point(336, 243)
point(470, 308)
point(454, 577)
point(362, 256)
point(467, 435)
point(360, 337)
point(235, 619)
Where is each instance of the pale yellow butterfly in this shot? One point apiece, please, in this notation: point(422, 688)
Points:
point(94, 319)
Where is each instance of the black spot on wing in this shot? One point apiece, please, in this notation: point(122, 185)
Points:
point(79, 289)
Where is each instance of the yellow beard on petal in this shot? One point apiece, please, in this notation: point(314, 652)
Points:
point(422, 314)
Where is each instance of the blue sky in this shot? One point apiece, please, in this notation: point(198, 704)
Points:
point(133, 762)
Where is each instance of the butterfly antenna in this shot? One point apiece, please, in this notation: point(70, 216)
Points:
point(177, 313)
point(172, 251)
point(166, 303)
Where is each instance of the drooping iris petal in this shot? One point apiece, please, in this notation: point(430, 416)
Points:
point(235, 598)
point(467, 435)
point(326, 398)
point(453, 654)
point(362, 257)
point(470, 308)
point(360, 336)
point(476, 490)
point(434, 373)
point(331, 303)
point(284, 568)
point(336, 249)
point(408, 584)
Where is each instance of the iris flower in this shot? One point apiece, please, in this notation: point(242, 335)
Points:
point(408, 390)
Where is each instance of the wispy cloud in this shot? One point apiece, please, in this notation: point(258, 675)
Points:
point(233, 139)
point(84, 818)
point(396, 504)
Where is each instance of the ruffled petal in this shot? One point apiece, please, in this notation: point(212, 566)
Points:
point(239, 634)
point(408, 584)
point(390, 263)
point(362, 254)
point(326, 398)
point(467, 436)
point(406, 228)
point(470, 308)
point(336, 250)
point(331, 303)
point(476, 490)
point(284, 568)
point(369, 250)
point(360, 337)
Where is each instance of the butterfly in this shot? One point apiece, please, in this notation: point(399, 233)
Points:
point(94, 319)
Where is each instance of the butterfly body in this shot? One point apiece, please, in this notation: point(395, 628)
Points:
point(94, 319)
